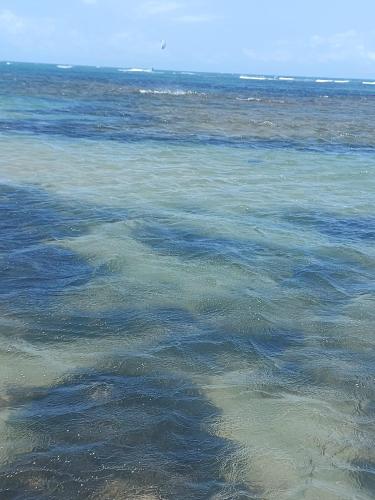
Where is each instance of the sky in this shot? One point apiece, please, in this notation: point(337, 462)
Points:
point(283, 37)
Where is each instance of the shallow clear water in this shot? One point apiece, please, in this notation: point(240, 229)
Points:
point(187, 286)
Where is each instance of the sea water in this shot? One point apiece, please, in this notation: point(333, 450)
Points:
point(187, 285)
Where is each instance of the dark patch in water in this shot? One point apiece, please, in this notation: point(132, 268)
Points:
point(127, 323)
point(31, 216)
point(344, 228)
point(132, 427)
point(330, 283)
point(363, 473)
point(117, 131)
point(334, 275)
point(163, 237)
point(41, 271)
point(33, 267)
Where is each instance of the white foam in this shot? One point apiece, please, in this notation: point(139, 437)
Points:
point(342, 81)
point(368, 83)
point(323, 81)
point(169, 92)
point(135, 70)
point(64, 66)
point(286, 78)
point(8, 63)
point(245, 77)
point(257, 99)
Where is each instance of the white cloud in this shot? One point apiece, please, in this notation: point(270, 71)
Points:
point(11, 23)
point(273, 55)
point(347, 45)
point(26, 34)
point(130, 43)
point(336, 40)
point(173, 11)
point(194, 19)
point(344, 47)
point(157, 7)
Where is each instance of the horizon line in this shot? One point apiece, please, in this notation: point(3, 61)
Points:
point(99, 66)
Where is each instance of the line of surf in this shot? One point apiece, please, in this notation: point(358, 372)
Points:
point(135, 70)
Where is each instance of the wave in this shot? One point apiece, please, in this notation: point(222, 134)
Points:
point(257, 99)
point(245, 77)
point(342, 81)
point(176, 92)
point(253, 99)
point(64, 66)
point(323, 81)
point(135, 70)
point(286, 78)
point(368, 83)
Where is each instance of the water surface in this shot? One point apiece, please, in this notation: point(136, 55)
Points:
point(187, 286)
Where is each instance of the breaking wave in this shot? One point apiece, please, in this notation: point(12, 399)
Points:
point(175, 92)
point(245, 77)
point(135, 70)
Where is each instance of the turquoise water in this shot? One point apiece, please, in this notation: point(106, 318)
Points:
point(187, 286)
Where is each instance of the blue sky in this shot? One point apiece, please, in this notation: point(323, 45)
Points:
point(296, 37)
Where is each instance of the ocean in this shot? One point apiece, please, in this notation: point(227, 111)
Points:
point(187, 285)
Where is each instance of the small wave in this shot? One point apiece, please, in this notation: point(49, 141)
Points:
point(186, 73)
point(169, 92)
point(245, 77)
point(342, 81)
point(323, 81)
point(257, 99)
point(286, 78)
point(368, 83)
point(64, 66)
point(135, 70)
point(8, 63)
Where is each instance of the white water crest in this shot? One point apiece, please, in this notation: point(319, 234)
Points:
point(175, 92)
point(246, 77)
point(256, 99)
point(135, 70)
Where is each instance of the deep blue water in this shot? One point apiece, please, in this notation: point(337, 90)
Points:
point(187, 286)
